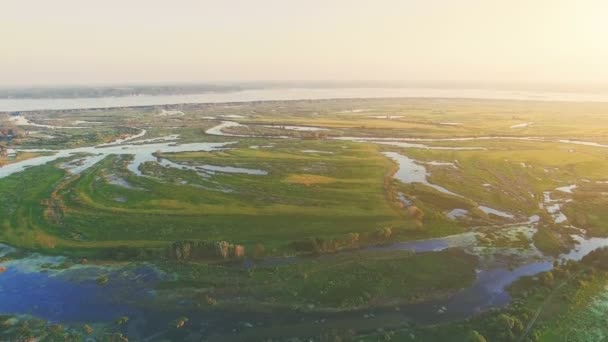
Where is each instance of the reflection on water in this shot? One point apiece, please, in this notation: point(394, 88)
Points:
point(489, 289)
point(411, 172)
point(464, 240)
point(496, 212)
point(73, 295)
point(141, 154)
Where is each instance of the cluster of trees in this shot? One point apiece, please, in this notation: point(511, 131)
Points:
point(314, 135)
point(475, 336)
point(54, 205)
point(501, 327)
point(113, 91)
point(508, 326)
point(123, 253)
point(318, 245)
point(417, 215)
point(32, 329)
point(7, 134)
point(597, 259)
point(200, 250)
point(414, 212)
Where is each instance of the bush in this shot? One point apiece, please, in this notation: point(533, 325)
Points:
point(475, 336)
point(259, 251)
point(191, 250)
point(384, 233)
point(597, 259)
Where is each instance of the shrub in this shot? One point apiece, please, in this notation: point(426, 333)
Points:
point(259, 251)
point(475, 336)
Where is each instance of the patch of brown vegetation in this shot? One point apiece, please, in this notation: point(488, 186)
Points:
point(55, 207)
point(309, 179)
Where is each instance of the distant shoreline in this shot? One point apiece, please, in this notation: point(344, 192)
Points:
point(290, 94)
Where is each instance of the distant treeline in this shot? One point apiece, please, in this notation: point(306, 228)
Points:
point(46, 92)
point(113, 91)
point(116, 90)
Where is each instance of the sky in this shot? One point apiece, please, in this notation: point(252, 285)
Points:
point(46, 42)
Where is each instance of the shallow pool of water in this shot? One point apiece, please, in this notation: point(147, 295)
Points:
point(73, 294)
point(412, 172)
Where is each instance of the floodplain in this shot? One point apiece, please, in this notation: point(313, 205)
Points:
point(347, 219)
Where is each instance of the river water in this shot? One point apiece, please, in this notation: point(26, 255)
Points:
point(73, 296)
point(272, 94)
point(38, 285)
point(28, 288)
point(142, 151)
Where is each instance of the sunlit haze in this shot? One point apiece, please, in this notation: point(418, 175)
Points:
point(114, 41)
point(304, 170)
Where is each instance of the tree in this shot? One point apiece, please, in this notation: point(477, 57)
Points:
point(384, 233)
point(547, 279)
point(259, 251)
point(508, 326)
point(475, 336)
point(416, 214)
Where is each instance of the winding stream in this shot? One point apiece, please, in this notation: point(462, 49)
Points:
point(72, 295)
point(412, 171)
point(30, 286)
point(141, 154)
point(415, 142)
point(142, 151)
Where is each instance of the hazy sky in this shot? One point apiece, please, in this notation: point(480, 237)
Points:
point(84, 41)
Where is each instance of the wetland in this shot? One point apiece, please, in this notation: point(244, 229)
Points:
point(352, 219)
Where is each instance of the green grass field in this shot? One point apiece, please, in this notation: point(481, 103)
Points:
point(344, 188)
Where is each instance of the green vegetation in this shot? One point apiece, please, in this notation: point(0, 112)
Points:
point(560, 305)
point(253, 209)
point(335, 281)
point(291, 226)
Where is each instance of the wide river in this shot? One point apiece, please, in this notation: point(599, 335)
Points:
point(275, 94)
